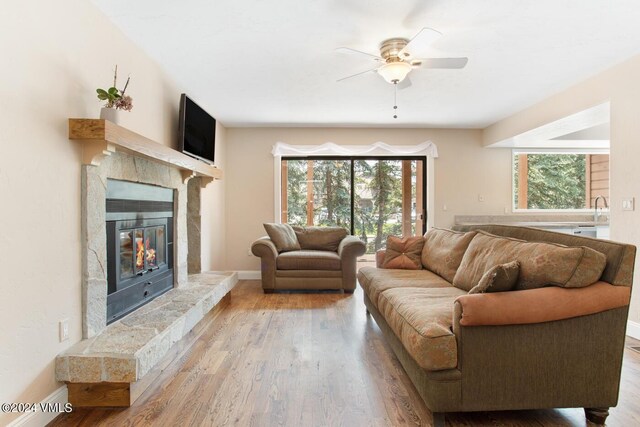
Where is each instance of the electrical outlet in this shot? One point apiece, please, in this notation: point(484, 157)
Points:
point(63, 331)
point(480, 198)
point(444, 207)
point(628, 204)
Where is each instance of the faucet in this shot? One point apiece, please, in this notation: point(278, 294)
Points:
point(596, 215)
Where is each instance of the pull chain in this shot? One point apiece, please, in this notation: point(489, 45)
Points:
point(395, 98)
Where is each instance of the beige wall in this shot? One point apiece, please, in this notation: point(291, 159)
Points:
point(213, 231)
point(463, 171)
point(621, 87)
point(55, 55)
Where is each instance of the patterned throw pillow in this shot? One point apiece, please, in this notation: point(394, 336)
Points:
point(404, 253)
point(443, 251)
point(541, 264)
point(500, 278)
point(283, 236)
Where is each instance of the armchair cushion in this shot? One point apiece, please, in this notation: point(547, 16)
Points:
point(320, 238)
point(404, 253)
point(283, 236)
point(501, 278)
point(308, 260)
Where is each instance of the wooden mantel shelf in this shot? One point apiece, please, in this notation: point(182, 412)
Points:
point(100, 138)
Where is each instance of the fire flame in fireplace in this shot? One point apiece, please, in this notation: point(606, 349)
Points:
point(151, 255)
point(140, 251)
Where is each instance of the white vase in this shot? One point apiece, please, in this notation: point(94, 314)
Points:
point(110, 114)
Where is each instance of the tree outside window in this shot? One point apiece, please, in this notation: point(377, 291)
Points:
point(559, 181)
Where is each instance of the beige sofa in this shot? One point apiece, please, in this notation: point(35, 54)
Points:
point(551, 343)
point(326, 260)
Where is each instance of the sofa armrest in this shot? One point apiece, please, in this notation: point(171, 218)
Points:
point(351, 246)
point(264, 247)
point(266, 250)
point(537, 305)
point(349, 250)
point(380, 253)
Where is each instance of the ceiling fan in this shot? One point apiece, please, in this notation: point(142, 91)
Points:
point(399, 56)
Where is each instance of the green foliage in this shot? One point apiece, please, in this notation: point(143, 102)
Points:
point(111, 95)
point(115, 97)
point(555, 181)
point(332, 193)
point(386, 188)
point(296, 192)
point(377, 198)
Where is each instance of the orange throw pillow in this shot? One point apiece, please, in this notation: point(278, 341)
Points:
point(404, 253)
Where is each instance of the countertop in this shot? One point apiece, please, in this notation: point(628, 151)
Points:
point(544, 224)
point(546, 220)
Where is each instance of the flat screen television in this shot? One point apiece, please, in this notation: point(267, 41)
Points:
point(197, 131)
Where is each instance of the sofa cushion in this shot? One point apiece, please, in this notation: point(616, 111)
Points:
point(500, 278)
point(320, 238)
point(404, 253)
point(376, 280)
point(283, 236)
point(422, 319)
point(541, 264)
point(308, 260)
point(443, 251)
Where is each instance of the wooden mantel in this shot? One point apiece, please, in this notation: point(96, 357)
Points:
point(100, 138)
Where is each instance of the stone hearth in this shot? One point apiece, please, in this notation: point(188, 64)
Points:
point(127, 349)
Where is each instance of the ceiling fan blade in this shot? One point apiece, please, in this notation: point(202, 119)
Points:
point(350, 51)
point(449, 63)
point(357, 74)
point(419, 44)
point(404, 84)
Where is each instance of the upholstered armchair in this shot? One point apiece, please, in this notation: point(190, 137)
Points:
point(307, 258)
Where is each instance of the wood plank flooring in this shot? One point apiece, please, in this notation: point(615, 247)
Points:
point(308, 359)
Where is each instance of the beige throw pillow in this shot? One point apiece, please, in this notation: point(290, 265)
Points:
point(403, 253)
point(283, 236)
point(443, 251)
point(320, 238)
point(500, 278)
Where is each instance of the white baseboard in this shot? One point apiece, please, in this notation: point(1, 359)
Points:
point(59, 398)
point(249, 275)
point(633, 329)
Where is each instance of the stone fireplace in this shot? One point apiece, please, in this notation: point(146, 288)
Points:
point(137, 273)
point(110, 216)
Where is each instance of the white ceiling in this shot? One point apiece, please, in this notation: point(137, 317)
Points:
point(271, 63)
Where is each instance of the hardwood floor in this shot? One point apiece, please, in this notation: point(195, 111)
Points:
point(307, 359)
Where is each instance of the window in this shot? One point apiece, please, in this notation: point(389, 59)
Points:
point(371, 197)
point(559, 181)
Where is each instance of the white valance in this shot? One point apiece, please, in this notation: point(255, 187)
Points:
point(427, 148)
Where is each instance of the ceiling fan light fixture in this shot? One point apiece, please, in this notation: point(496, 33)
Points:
point(394, 72)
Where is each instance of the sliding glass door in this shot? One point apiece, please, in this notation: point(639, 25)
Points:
point(371, 197)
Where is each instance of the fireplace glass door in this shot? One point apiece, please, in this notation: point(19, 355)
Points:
point(142, 250)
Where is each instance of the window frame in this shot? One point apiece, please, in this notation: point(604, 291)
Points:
point(427, 180)
point(516, 151)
